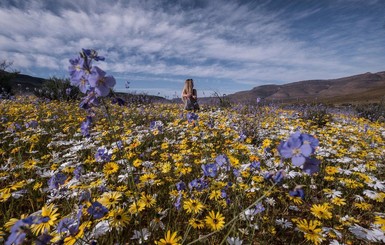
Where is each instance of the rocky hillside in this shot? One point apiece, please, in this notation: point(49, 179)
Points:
point(368, 87)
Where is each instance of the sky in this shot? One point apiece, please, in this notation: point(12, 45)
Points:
point(225, 46)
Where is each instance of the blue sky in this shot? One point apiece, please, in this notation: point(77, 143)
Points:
point(225, 46)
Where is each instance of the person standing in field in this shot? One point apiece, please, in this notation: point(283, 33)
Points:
point(189, 96)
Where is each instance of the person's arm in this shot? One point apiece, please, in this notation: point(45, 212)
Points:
point(185, 95)
point(194, 94)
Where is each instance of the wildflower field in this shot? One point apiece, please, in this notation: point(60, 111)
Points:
point(109, 172)
point(156, 173)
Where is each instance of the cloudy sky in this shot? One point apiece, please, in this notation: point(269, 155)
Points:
point(224, 45)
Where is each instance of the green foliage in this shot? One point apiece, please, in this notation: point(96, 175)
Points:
point(316, 114)
point(222, 101)
point(58, 89)
point(373, 112)
point(133, 98)
point(6, 76)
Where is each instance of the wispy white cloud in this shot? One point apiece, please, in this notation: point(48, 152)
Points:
point(244, 44)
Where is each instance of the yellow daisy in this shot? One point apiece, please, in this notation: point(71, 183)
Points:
point(110, 199)
point(136, 207)
point(380, 221)
point(193, 206)
point(338, 201)
point(321, 211)
point(311, 231)
point(169, 239)
point(2, 235)
point(148, 200)
point(110, 168)
point(119, 218)
point(215, 195)
point(215, 221)
point(49, 216)
point(363, 206)
point(8, 225)
point(196, 223)
point(73, 238)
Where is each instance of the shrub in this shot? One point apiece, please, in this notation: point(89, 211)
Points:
point(221, 100)
point(139, 98)
point(6, 77)
point(58, 89)
point(373, 111)
point(316, 114)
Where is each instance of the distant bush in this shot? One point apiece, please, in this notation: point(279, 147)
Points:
point(5, 78)
point(133, 98)
point(58, 89)
point(221, 100)
point(373, 111)
point(316, 114)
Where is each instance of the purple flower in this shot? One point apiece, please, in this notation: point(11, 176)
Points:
point(77, 68)
point(85, 126)
point(223, 193)
point(89, 100)
point(92, 54)
point(43, 239)
point(277, 177)
point(180, 186)
point(156, 125)
point(236, 172)
point(56, 180)
point(223, 162)
point(178, 203)
point(102, 155)
point(311, 166)
point(259, 208)
point(81, 81)
point(32, 124)
point(100, 82)
point(311, 140)
point(298, 147)
point(297, 192)
point(85, 196)
point(18, 230)
point(255, 165)
point(69, 224)
point(119, 101)
point(79, 170)
point(65, 224)
point(198, 184)
point(97, 210)
point(242, 137)
point(210, 170)
point(192, 116)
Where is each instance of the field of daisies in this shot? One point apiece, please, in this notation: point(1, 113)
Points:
point(102, 171)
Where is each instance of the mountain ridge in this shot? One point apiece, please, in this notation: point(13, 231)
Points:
point(362, 88)
point(366, 87)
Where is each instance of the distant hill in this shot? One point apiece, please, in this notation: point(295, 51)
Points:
point(21, 82)
point(24, 83)
point(363, 88)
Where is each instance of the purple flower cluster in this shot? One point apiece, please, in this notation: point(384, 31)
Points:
point(299, 147)
point(90, 78)
point(56, 180)
point(97, 210)
point(192, 117)
point(20, 230)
